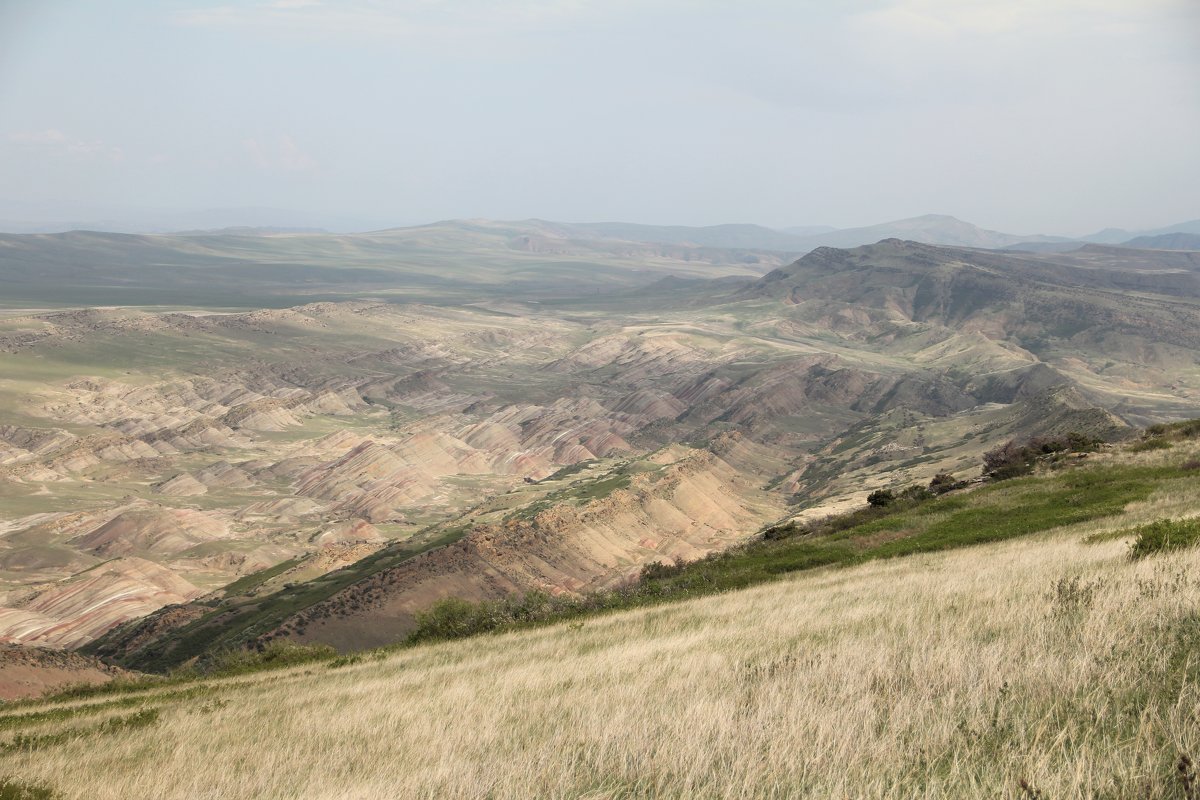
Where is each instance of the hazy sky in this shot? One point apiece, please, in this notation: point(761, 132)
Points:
point(1056, 116)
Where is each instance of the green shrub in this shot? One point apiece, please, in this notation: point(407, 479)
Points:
point(1009, 460)
point(778, 532)
point(16, 789)
point(662, 569)
point(944, 482)
point(916, 494)
point(1185, 429)
point(1188, 429)
point(1164, 535)
point(452, 618)
point(1013, 459)
point(274, 655)
point(1153, 443)
point(880, 498)
point(345, 661)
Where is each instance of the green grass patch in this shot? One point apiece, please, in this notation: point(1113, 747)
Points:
point(246, 583)
point(28, 742)
point(569, 470)
point(584, 491)
point(135, 692)
point(17, 789)
point(1185, 429)
point(278, 654)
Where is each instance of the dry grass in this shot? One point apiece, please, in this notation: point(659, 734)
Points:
point(957, 675)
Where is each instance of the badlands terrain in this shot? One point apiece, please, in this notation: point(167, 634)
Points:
point(217, 440)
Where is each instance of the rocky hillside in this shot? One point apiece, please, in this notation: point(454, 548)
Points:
point(27, 672)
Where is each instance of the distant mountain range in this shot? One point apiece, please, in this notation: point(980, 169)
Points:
point(1167, 241)
point(936, 229)
point(1121, 236)
point(928, 229)
point(754, 237)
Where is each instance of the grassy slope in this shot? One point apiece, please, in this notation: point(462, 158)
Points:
point(1053, 659)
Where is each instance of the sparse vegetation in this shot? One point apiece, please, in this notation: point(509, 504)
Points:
point(255, 579)
point(934, 642)
point(1151, 443)
point(945, 482)
point(15, 789)
point(1184, 429)
point(232, 625)
point(274, 655)
point(1164, 535)
point(960, 658)
point(584, 490)
point(27, 742)
point(1013, 459)
point(881, 498)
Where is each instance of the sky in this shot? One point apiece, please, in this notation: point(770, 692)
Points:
point(1027, 116)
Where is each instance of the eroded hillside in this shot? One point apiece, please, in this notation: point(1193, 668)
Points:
point(322, 472)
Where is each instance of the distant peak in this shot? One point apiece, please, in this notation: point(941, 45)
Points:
point(937, 218)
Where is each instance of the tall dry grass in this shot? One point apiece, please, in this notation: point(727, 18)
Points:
point(1047, 663)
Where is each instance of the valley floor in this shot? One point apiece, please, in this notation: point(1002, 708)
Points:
point(1052, 662)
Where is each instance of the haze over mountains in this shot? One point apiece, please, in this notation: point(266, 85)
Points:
point(928, 228)
point(240, 267)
